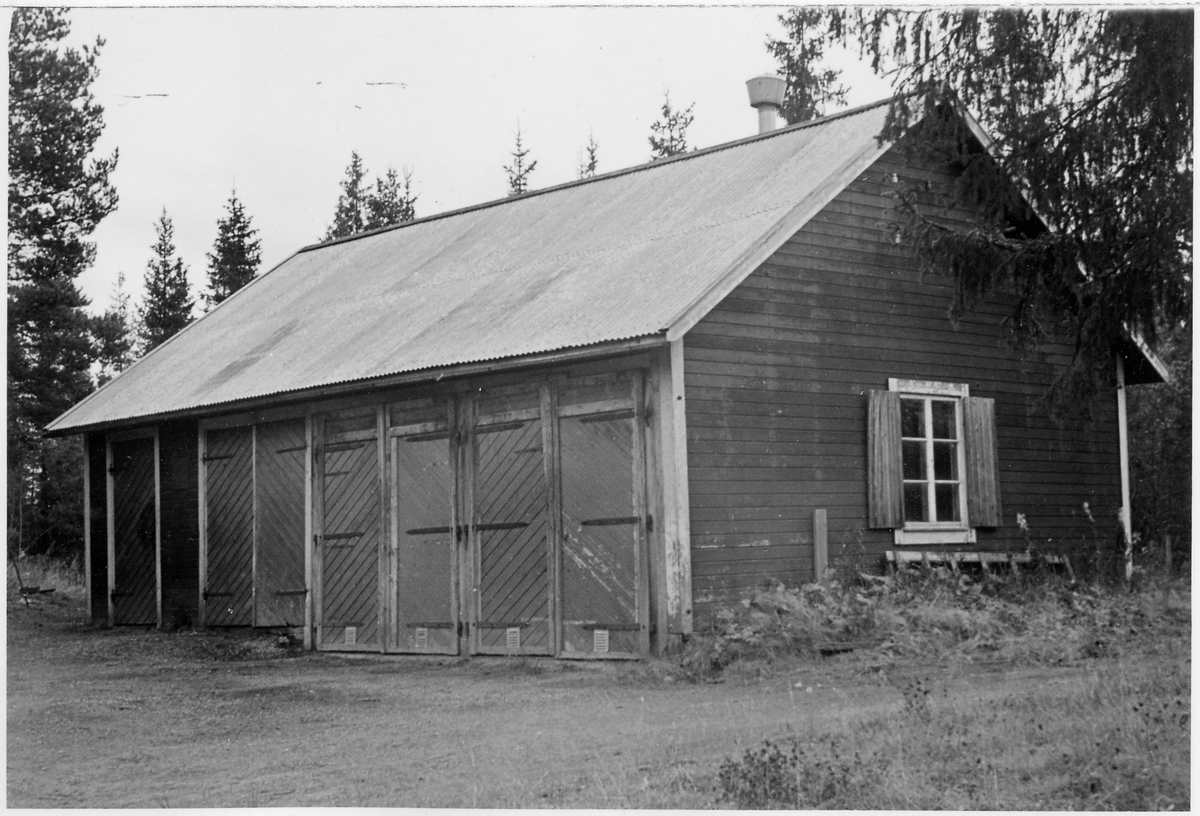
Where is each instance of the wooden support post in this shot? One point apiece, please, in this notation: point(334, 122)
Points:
point(820, 545)
point(309, 530)
point(111, 527)
point(658, 413)
point(676, 504)
point(202, 520)
point(87, 521)
point(383, 549)
point(548, 399)
point(1123, 442)
point(158, 542)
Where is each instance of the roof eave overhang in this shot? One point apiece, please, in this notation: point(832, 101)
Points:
point(1142, 366)
point(352, 388)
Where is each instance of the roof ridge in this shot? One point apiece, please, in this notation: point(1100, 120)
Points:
point(637, 168)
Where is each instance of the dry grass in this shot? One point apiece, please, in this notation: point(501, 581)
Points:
point(1113, 737)
point(38, 572)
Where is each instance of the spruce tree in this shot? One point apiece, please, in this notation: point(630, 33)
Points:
point(392, 201)
point(668, 136)
point(350, 217)
point(168, 303)
point(1091, 112)
point(519, 171)
point(114, 334)
point(236, 254)
point(810, 88)
point(587, 166)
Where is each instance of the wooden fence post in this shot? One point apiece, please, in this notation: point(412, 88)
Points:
point(820, 546)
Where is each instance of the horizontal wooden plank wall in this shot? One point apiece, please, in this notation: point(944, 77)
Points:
point(180, 523)
point(776, 379)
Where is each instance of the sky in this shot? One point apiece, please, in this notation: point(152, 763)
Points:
point(270, 102)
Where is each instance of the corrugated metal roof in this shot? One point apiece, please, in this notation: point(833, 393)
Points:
point(621, 256)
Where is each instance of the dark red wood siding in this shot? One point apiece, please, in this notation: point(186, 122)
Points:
point(776, 379)
point(98, 524)
point(180, 523)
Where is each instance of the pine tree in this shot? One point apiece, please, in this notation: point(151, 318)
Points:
point(114, 334)
point(58, 192)
point(518, 173)
point(392, 201)
point(236, 254)
point(587, 167)
point(668, 136)
point(350, 217)
point(167, 307)
point(810, 89)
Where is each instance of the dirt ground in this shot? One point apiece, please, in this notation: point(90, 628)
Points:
point(136, 718)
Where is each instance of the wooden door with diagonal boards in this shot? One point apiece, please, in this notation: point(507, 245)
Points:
point(604, 588)
point(349, 533)
point(426, 531)
point(229, 533)
point(135, 520)
point(510, 525)
point(279, 592)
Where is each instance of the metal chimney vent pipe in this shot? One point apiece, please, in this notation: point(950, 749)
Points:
point(766, 94)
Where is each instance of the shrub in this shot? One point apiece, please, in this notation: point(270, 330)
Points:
point(785, 775)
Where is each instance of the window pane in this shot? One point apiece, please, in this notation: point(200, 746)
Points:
point(913, 458)
point(914, 502)
point(945, 460)
point(912, 417)
point(946, 496)
point(943, 420)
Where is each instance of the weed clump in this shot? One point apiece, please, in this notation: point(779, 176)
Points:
point(1035, 618)
point(785, 775)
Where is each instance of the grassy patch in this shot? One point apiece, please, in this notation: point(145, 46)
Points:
point(1114, 736)
point(1116, 739)
point(43, 573)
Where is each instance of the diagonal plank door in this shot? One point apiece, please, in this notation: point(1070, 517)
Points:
point(603, 573)
point(229, 532)
point(349, 539)
point(426, 541)
point(511, 537)
point(279, 592)
point(600, 534)
point(135, 570)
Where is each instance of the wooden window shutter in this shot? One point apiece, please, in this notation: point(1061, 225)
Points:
point(983, 462)
point(885, 478)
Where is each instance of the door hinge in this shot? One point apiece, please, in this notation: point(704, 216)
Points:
point(649, 523)
point(462, 628)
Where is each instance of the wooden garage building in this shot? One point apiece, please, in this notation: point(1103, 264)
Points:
point(575, 421)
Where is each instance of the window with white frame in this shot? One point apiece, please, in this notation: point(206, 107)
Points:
point(931, 453)
point(933, 466)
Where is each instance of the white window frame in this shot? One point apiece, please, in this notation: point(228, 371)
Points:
point(939, 532)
